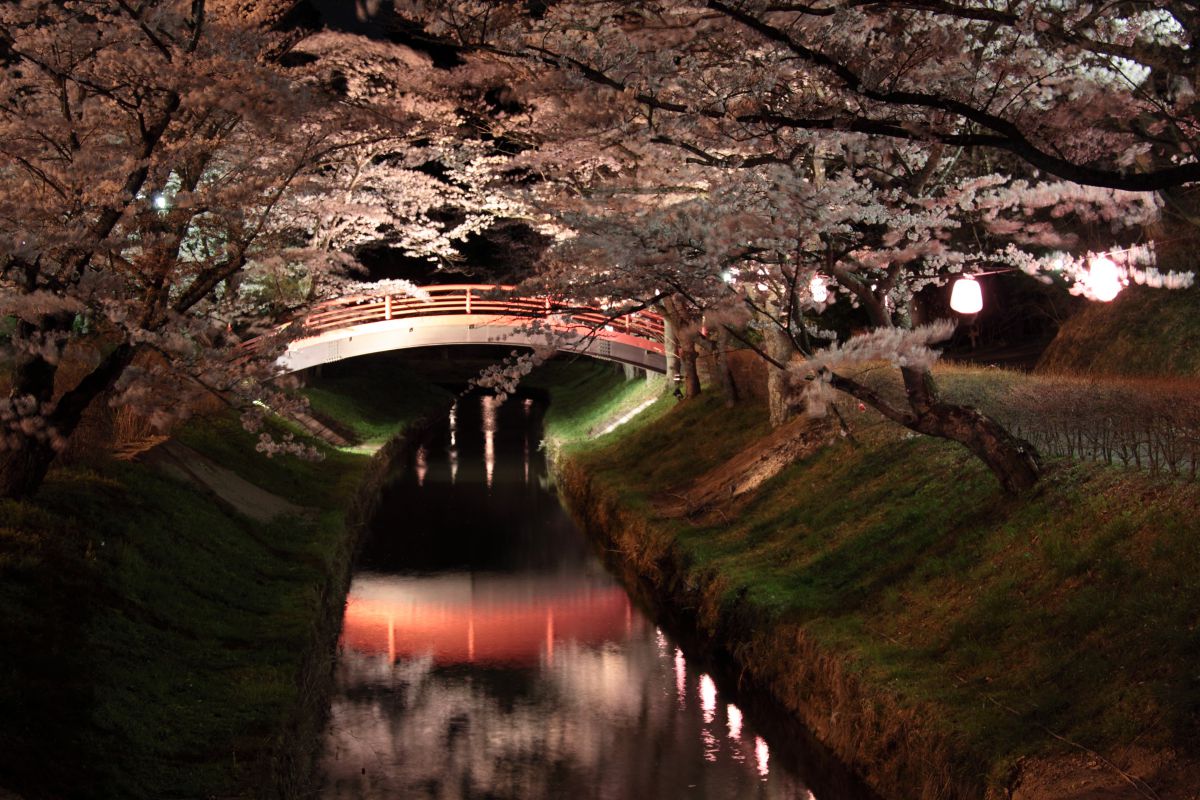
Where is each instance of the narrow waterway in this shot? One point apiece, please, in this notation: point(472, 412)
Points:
point(486, 652)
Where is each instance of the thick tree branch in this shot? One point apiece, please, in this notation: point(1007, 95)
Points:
point(872, 398)
point(1008, 136)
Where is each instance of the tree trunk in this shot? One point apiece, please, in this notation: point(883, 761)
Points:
point(23, 469)
point(721, 349)
point(780, 348)
point(1014, 461)
point(671, 348)
point(691, 377)
point(26, 457)
point(680, 341)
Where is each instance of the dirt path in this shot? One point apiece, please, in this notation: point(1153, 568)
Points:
point(718, 491)
point(226, 486)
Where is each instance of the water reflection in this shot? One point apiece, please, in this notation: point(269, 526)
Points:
point(460, 618)
point(421, 464)
point(510, 714)
point(453, 452)
point(734, 717)
point(708, 698)
point(488, 405)
point(486, 653)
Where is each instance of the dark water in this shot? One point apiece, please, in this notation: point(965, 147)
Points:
point(487, 653)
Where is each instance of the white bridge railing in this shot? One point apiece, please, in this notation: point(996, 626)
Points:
point(480, 299)
point(471, 314)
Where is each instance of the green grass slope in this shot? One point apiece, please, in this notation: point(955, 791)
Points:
point(1144, 332)
point(587, 396)
point(153, 642)
point(999, 624)
point(369, 399)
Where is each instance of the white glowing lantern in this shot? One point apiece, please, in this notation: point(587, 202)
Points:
point(820, 292)
point(966, 297)
point(1104, 278)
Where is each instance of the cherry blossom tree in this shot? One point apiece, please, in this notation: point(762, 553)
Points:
point(1095, 93)
point(144, 147)
point(421, 184)
point(756, 156)
point(150, 157)
point(775, 248)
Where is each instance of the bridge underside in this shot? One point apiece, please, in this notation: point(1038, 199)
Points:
point(402, 334)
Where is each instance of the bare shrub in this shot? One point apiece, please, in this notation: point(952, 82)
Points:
point(1144, 423)
point(1151, 424)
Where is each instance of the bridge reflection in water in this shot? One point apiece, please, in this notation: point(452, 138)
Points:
point(464, 618)
point(487, 653)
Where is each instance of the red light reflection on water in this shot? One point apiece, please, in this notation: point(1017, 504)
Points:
point(605, 696)
point(734, 715)
point(708, 698)
point(515, 630)
point(762, 756)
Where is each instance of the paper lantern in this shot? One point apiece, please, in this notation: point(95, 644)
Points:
point(966, 297)
point(1104, 278)
point(820, 292)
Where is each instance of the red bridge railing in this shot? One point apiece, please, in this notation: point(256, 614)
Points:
point(479, 299)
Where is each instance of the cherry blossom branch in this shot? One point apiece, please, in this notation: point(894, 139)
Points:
point(1000, 133)
point(1007, 135)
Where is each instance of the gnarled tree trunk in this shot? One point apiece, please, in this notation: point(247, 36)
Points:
point(721, 348)
point(1014, 461)
point(24, 468)
point(681, 332)
point(781, 349)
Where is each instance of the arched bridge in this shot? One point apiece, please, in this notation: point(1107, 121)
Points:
point(472, 314)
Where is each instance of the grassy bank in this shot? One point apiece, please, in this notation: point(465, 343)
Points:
point(943, 636)
point(1144, 332)
point(587, 396)
point(367, 396)
point(157, 643)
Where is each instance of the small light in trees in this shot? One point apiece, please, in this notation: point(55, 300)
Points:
point(161, 202)
point(1104, 278)
point(966, 297)
point(820, 292)
point(727, 276)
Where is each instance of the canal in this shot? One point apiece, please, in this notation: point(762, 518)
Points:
point(487, 653)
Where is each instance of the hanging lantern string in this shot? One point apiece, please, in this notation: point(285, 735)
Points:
point(989, 272)
point(1101, 254)
point(1103, 282)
